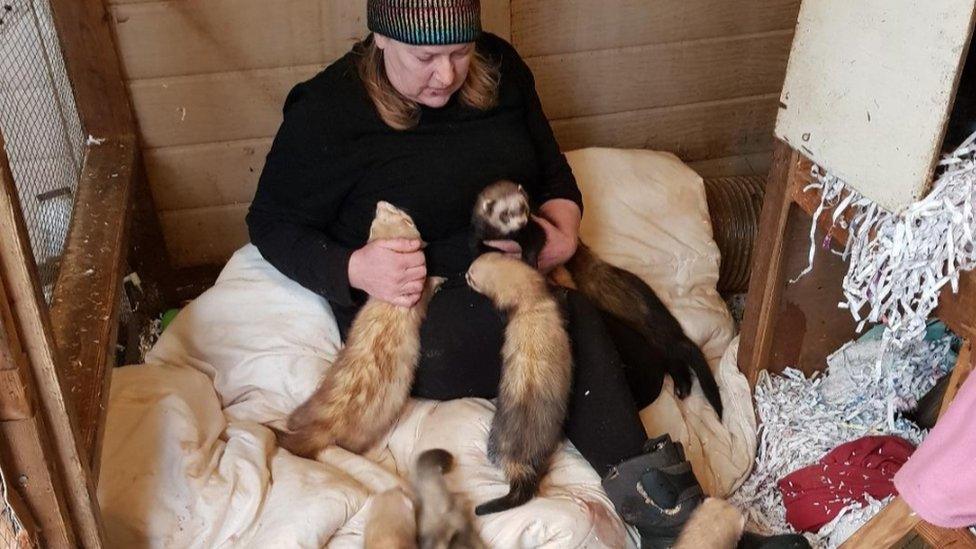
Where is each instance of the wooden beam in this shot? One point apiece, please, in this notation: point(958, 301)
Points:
point(895, 522)
point(961, 372)
point(26, 458)
point(767, 279)
point(958, 310)
point(93, 66)
point(897, 526)
point(87, 294)
point(27, 453)
point(19, 272)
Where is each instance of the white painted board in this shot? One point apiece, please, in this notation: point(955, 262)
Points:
point(869, 87)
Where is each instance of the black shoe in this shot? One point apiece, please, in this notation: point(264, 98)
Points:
point(656, 492)
point(751, 540)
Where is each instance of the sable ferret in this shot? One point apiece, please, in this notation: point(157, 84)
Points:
point(369, 382)
point(502, 211)
point(443, 521)
point(439, 518)
point(536, 375)
point(624, 295)
point(716, 524)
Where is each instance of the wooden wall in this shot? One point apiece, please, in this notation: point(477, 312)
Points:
point(207, 80)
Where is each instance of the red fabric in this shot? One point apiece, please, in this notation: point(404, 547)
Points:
point(814, 495)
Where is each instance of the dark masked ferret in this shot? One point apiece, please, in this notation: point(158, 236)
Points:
point(443, 520)
point(716, 524)
point(502, 211)
point(369, 382)
point(536, 374)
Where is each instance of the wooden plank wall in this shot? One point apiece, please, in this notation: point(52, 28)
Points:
point(207, 81)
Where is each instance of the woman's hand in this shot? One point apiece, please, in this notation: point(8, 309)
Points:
point(391, 270)
point(559, 246)
point(510, 248)
point(560, 218)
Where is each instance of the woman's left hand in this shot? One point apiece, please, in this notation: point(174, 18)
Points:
point(559, 246)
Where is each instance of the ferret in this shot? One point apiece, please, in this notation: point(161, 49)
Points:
point(391, 523)
point(368, 384)
point(536, 374)
point(431, 517)
point(443, 520)
point(502, 211)
point(716, 524)
point(626, 296)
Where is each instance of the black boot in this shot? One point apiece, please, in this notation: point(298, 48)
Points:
point(656, 492)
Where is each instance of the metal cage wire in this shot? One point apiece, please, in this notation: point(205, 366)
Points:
point(41, 128)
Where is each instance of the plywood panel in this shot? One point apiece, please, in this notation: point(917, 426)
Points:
point(869, 87)
point(212, 174)
point(216, 174)
point(176, 37)
point(542, 27)
point(693, 132)
point(214, 107)
point(496, 17)
point(181, 38)
point(205, 235)
point(607, 81)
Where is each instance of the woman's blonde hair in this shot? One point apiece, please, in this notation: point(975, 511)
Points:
point(480, 88)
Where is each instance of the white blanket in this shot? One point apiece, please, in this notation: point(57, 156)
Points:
point(188, 462)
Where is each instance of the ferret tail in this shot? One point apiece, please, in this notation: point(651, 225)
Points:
point(687, 352)
point(523, 488)
point(435, 461)
point(301, 443)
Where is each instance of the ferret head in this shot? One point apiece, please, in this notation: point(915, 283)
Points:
point(392, 222)
point(503, 205)
point(505, 280)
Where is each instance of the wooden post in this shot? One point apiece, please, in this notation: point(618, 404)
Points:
point(33, 326)
point(786, 323)
point(766, 282)
point(27, 458)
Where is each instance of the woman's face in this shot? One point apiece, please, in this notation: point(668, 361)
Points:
point(428, 75)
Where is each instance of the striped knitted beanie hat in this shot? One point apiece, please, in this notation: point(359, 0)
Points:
point(425, 22)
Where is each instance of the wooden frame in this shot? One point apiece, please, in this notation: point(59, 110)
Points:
point(55, 363)
point(799, 324)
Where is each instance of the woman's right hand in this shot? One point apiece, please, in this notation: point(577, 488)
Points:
point(392, 270)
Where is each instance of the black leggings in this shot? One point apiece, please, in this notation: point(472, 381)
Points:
point(461, 342)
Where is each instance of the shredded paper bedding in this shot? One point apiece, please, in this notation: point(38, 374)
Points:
point(899, 262)
point(803, 419)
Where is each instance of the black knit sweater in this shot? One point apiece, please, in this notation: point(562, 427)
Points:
point(333, 158)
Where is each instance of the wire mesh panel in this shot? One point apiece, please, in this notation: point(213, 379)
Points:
point(40, 126)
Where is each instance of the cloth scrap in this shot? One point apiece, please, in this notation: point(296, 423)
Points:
point(815, 494)
point(939, 482)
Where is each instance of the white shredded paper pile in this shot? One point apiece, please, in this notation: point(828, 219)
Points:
point(899, 262)
point(803, 419)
